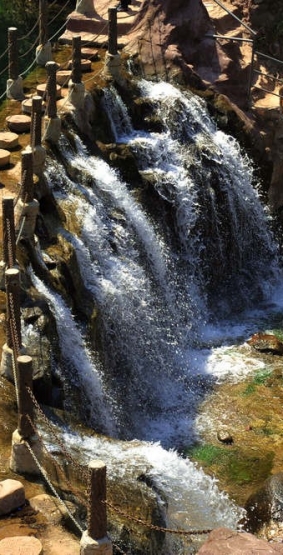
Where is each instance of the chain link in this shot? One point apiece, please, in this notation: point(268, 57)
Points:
point(57, 465)
point(44, 474)
point(154, 527)
point(79, 467)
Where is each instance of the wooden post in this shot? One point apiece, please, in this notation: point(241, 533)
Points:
point(9, 235)
point(13, 53)
point(13, 310)
point(27, 184)
point(112, 31)
point(36, 116)
point(43, 18)
point(76, 60)
point(51, 68)
point(97, 519)
point(25, 408)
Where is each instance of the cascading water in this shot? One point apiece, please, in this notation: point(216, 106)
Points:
point(165, 296)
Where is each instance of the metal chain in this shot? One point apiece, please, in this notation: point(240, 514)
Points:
point(154, 527)
point(10, 247)
point(79, 467)
point(44, 474)
point(13, 327)
point(57, 464)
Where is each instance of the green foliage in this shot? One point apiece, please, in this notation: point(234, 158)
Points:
point(232, 463)
point(207, 454)
point(261, 377)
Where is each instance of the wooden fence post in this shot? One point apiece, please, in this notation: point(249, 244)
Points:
point(76, 75)
point(26, 453)
point(52, 122)
point(112, 64)
point(9, 234)
point(25, 408)
point(95, 539)
point(14, 88)
point(13, 310)
point(112, 31)
point(39, 153)
point(27, 207)
point(43, 51)
point(76, 87)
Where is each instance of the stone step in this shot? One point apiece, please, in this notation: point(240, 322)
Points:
point(19, 123)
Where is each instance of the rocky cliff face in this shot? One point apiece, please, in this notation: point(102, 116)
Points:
point(173, 40)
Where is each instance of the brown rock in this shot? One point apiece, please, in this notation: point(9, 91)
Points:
point(223, 541)
point(266, 343)
point(12, 496)
point(21, 545)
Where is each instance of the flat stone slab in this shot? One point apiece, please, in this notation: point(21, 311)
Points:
point(21, 545)
point(85, 65)
point(8, 140)
point(27, 106)
point(19, 123)
point(4, 157)
point(41, 90)
point(63, 77)
point(90, 53)
point(12, 495)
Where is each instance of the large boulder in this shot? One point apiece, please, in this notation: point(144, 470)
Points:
point(224, 541)
point(265, 505)
point(12, 496)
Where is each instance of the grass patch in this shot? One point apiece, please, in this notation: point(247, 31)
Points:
point(261, 377)
point(233, 465)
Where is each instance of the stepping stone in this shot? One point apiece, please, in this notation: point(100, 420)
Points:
point(12, 493)
point(21, 545)
point(19, 123)
point(63, 76)
point(85, 65)
point(27, 106)
point(8, 140)
point(41, 90)
point(4, 157)
point(90, 53)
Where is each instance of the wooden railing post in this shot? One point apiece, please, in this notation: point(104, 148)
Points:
point(76, 75)
point(39, 153)
point(43, 51)
point(27, 184)
point(9, 234)
point(95, 539)
point(76, 87)
point(25, 408)
point(97, 519)
point(36, 117)
point(14, 88)
point(112, 31)
point(13, 310)
point(112, 64)
point(13, 54)
point(51, 90)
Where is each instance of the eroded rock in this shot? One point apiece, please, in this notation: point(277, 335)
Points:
point(12, 496)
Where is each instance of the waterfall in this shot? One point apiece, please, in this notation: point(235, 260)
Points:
point(171, 289)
